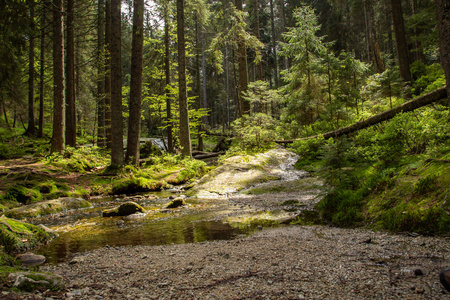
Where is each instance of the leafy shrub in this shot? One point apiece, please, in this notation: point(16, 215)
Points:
point(308, 150)
point(411, 218)
point(255, 131)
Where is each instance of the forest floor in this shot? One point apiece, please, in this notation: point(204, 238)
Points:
point(293, 262)
point(286, 262)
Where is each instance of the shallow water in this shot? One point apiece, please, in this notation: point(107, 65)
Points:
point(85, 230)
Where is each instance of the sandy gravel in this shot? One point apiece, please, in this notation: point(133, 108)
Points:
point(313, 262)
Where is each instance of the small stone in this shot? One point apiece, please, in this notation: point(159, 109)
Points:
point(444, 277)
point(420, 291)
point(418, 272)
point(31, 259)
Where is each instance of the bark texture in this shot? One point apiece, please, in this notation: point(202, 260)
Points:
point(443, 14)
point(244, 106)
point(117, 157)
point(134, 120)
point(71, 118)
point(185, 139)
point(400, 39)
point(31, 126)
point(58, 78)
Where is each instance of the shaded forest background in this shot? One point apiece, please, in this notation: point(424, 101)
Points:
point(96, 72)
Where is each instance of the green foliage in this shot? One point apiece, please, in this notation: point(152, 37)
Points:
point(308, 150)
point(370, 174)
point(255, 131)
point(192, 168)
point(427, 78)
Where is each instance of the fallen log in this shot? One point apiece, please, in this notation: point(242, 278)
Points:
point(384, 116)
point(209, 155)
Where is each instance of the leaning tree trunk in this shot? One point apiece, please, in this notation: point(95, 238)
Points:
point(58, 78)
point(185, 139)
point(134, 119)
point(443, 14)
point(384, 116)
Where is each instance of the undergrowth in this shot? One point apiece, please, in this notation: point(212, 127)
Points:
point(394, 176)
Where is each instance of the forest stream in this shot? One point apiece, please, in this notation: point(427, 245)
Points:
point(231, 241)
point(271, 198)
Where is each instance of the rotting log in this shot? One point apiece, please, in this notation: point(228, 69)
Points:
point(384, 116)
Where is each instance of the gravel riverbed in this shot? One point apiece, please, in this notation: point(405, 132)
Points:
point(292, 262)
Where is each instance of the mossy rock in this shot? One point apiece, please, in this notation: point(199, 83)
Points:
point(17, 236)
point(30, 281)
point(125, 209)
point(47, 207)
point(177, 202)
point(23, 194)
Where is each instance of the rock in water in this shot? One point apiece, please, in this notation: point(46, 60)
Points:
point(177, 202)
point(445, 278)
point(31, 259)
point(125, 209)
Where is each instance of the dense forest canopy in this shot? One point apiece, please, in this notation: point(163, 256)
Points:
point(99, 71)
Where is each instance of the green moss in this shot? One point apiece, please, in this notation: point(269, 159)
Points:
point(23, 194)
point(16, 236)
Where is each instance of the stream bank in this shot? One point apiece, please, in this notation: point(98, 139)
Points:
point(286, 262)
point(307, 262)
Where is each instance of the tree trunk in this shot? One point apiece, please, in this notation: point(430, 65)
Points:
point(244, 106)
point(108, 73)
point(101, 134)
point(42, 70)
point(400, 40)
point(443, 15)
point(31, 126)
point(259, 70)
point(384, 116)
point(116, 85)
point(185, 139)
point(167, 71)
point(58, 78)
point(135, 106)
point(71, 119)
point(283, 28)
point(274, 44)
point(198, 47)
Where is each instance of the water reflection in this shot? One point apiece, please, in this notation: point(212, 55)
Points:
point(183, 226)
